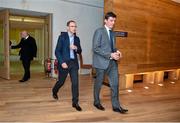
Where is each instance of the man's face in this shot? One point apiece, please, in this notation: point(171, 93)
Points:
point(23, 34)
point(110, 22)
point(72, 27)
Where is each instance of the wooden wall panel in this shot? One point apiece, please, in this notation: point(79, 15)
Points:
point(153, 27)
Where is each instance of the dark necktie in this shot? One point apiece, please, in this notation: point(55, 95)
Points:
point(111, 39)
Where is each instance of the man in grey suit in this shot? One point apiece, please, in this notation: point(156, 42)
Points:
point(105, 57)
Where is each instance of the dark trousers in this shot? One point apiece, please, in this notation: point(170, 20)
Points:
point(73, 71)
point(112, 73)
point(26, 64)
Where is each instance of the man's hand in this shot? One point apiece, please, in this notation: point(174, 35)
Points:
point(10, 43)
point(120, 54)
point(116, 55)
point(64, 65)
point(73, 47)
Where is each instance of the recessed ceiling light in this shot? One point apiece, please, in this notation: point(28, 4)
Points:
point(146, 87)
point(160, 84)
point(172, 82)
point(129, 91)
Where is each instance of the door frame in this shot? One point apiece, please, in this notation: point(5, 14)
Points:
point(48, 30)
point(48, 24)
point(5, 69)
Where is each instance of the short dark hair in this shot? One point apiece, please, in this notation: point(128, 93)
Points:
point(109, 14)
point(70, 22)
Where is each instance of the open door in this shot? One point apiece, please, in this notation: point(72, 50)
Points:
point(4, 45)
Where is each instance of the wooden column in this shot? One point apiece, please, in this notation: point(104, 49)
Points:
point(173, 75)
point(178, 74)
point(159, 77)
point(149, 77)
point(126, 81)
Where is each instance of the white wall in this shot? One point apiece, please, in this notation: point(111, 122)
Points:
point(87, 13)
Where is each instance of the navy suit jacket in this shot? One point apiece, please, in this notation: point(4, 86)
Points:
point(62, 51)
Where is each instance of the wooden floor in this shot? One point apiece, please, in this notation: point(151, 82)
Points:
point(32, 101)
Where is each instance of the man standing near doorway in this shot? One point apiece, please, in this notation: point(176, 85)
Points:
point(105, 57)
point(27, 52)
point(68, 46)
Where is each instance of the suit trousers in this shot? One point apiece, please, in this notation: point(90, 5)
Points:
point(112, 73)
point(26, 64)
point(73, 71)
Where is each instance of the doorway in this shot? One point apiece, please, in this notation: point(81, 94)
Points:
point(35, 28)
point(38, 27)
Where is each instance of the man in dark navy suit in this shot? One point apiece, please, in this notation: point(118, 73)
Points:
point(27, 53)
point(68, 46)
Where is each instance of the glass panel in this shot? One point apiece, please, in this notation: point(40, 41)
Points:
point(1, 44)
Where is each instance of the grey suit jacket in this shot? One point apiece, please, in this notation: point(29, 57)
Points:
point(102, 48)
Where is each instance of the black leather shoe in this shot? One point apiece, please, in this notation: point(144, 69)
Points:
point(126, 110)
point(77, 107)
point(55, 96)
point(99, 106)
point(120, 110)
point(22, 80)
